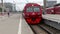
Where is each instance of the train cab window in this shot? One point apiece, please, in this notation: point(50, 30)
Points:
point(33, 9)
point(29, 9)
point(36, 9)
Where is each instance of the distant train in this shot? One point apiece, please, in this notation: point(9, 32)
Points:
point(53, 10)
point(32, 13)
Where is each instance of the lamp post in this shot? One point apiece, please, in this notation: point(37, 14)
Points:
point(14, 7)
point(2, 6)
point(44, 6)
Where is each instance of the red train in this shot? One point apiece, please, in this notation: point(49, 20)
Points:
point(50, 10)
point(32, 13)
point(53, 10)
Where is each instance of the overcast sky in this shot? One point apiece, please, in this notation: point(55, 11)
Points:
point(20, 3)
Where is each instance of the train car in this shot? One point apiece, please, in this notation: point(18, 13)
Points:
point(50, 10)
point(53, 10)
point(57, 9)
point(32, 13)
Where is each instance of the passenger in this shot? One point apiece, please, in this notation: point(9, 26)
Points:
point(8, 14)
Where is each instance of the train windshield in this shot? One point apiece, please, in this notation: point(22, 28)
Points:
point(36, 9)
point(29, 9)
point(33, 9)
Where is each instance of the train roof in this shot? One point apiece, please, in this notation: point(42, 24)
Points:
point(50, 8)
point(32, 4)
point(57, 4)
point(53, 7)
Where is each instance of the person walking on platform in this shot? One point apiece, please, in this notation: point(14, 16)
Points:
point(8, 12)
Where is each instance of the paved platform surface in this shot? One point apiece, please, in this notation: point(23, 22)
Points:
point(10, 24)
point(14, 24)
point(3, 17)
point(24, 27)
point(52, 17)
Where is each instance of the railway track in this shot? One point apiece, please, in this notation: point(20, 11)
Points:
point(38, 30)
point(44, 29)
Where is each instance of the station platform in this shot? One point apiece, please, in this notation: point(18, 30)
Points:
point(52, 17)
point(24, 28)
point(15, 24)
point(2, 17)
point(52, 20)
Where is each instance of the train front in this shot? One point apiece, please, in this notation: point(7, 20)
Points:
point(33, 14)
